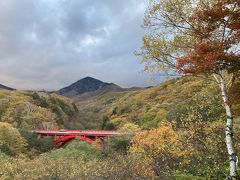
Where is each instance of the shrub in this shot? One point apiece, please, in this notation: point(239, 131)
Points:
point(11, 141)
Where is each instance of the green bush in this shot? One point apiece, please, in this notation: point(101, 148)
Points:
point(40, 144)
point(75, 149)
point(40, 100)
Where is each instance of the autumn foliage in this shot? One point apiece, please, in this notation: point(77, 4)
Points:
point(196, 149)
point(208, 57)
point(165, 146)
point(198, 38)
point(11, 141)
point(216, 27)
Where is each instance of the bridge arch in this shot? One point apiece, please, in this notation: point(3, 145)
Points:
point(65, 139)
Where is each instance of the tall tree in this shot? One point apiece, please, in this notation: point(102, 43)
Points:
point(198, 38)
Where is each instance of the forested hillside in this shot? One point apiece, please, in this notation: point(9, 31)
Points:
point(24, 111)
point(174, 101)
point(184, 119)
point(35, 110)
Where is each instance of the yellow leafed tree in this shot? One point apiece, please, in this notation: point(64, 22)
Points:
point(11, 142)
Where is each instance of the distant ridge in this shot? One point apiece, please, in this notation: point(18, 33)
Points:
point(5, 87)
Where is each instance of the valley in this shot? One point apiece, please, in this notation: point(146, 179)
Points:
point(175, 106)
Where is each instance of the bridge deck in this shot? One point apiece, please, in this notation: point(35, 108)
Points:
point(101, 133)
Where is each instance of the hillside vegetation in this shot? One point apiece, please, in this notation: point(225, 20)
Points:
point(22, 111)
point(173, 101)
point(184, 119)
point(32, 110)
point(92, 109)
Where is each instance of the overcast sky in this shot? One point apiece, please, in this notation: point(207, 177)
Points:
point(48, 44)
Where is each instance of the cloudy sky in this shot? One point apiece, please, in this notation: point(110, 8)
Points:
point(48, 44)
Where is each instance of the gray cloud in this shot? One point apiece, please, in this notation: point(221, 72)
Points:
point(50, 44)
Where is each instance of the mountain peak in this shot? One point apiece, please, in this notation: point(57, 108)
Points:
point(88, 77)
point(87, 84)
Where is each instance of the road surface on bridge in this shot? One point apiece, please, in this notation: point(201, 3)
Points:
point(78, 132)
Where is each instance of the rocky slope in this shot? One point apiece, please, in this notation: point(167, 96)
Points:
point(85, 85)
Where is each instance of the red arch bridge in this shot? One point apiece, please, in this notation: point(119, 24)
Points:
point(62, 137)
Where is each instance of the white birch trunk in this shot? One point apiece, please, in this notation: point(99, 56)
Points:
point(229, 129)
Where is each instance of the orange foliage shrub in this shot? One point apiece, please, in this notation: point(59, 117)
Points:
point(165, 146)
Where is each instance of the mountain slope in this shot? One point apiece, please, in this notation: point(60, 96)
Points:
point(92, 108)
point(32, 110)
point(174, 100)
point(5, 87)
point(110, 88)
